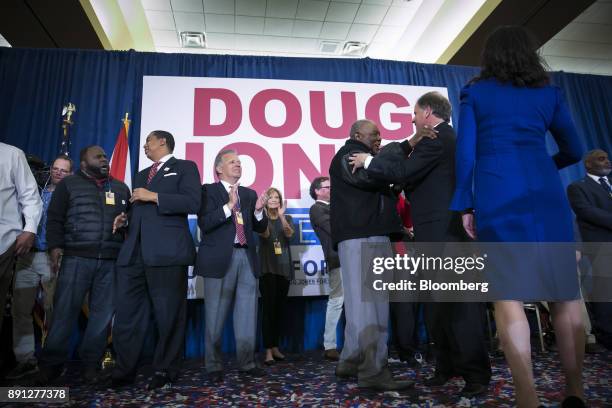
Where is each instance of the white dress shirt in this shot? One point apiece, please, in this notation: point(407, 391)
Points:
point(596, 179)
point(18, 197)
point(228, 213)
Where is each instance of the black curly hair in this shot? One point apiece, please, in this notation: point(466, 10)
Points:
point(510, 55)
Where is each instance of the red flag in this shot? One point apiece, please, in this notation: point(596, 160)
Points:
point(121, 168)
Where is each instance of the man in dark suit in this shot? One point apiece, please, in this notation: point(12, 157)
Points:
point(152, 264)
point(591, 200)
point(457, 329)
point(320, 190)
point(228, 262)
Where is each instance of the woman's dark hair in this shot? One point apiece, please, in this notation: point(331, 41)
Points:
point(510, 55)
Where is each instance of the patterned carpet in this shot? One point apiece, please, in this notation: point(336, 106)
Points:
point(308, 381)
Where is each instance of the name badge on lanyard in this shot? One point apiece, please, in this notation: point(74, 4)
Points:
point(278, 250)
point(110, 198)
point(239, 217)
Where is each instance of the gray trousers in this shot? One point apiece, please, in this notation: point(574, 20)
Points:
point(237, 289)
point(33, 269)
point(365, 334)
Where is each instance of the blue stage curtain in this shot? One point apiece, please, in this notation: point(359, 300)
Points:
point(36, 83)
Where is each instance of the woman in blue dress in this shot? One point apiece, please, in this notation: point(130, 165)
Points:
point(509, 190)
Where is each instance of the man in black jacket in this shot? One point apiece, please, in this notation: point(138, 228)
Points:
point(320, 191)
point(82, 221)
point(362, 213)
point(591, 200)
point(457, 329)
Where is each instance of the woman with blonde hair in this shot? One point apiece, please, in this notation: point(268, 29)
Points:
point(276, 271)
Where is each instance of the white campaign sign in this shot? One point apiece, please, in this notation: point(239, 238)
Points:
point(286, 133)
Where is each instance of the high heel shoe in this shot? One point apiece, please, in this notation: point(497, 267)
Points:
point(269, 362)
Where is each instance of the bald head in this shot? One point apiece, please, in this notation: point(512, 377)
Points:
point(367, 133)
point(597, 163)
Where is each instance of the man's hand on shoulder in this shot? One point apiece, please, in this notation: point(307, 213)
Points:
point(424, 132)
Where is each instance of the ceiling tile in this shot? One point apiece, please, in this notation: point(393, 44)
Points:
point(362, 32)
point(305, 45)
point(379, 49)
point(347, 1)
point(341, 12)
point(370, 14)
point(379, 2)
point(602, 68)
point(334, 31)
point(578, 49)
point(312, 10)
point(221, 41)
point(251, 42)
point(160, 20)
point(399, 16)
point(388, 34)
point(281, 8)
point(219, 6)
point(165, 38)
point(163, 5)
point(278, 44)
point(307, 28)
point(219, 23)
point(251, 7)
point(278, 26)
point(249, 25)
point(189, 22)
point(192, 6)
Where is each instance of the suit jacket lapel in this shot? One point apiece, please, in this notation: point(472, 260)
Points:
point(223, 192)
point(595, 186)
point(161, 171)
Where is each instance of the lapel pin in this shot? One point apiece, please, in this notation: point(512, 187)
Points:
point(167, 168)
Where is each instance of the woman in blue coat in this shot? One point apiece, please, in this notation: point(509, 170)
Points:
point(509, 190)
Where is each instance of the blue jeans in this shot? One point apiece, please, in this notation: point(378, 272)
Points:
point(77, 277)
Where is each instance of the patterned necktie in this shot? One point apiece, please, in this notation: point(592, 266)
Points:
point(605, 185)
point(152, 172)
point(239, 227)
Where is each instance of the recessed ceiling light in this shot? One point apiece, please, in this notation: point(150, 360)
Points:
point(329, 47)
point(193, 39)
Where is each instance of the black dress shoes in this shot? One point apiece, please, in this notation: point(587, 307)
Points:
point(159, 380)
point(384, 382)
point(253, 372)
point(573, 402)
point(436, 381)
point(346, 371)
point(473, 389)
point(216, 377)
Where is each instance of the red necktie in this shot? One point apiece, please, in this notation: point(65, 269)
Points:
point(152, 172)
point(239, 227)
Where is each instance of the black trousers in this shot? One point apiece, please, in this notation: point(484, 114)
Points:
point(141, 292)
point(458, 333)
point(405, 321)
point(274, 289)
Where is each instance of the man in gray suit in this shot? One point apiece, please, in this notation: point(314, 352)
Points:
point(228, 262)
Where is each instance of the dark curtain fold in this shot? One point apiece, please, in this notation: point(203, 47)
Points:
point(36, 83)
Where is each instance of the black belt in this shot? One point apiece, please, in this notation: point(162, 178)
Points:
point(240, 246)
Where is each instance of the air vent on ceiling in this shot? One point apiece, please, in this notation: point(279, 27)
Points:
point(193, 39)
point(329, 47)
point(354, 48)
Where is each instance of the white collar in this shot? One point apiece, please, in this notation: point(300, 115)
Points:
point(596, 178)
point(226, 185)
point(323, 201)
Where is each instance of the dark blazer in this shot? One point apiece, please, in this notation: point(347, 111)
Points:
point(428, 178)
point(593, 208)
point(162, 230)
point(319, 218)
point(218, 231)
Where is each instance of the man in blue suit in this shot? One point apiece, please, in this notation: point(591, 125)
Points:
point(228, 262)
point(152, 264)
